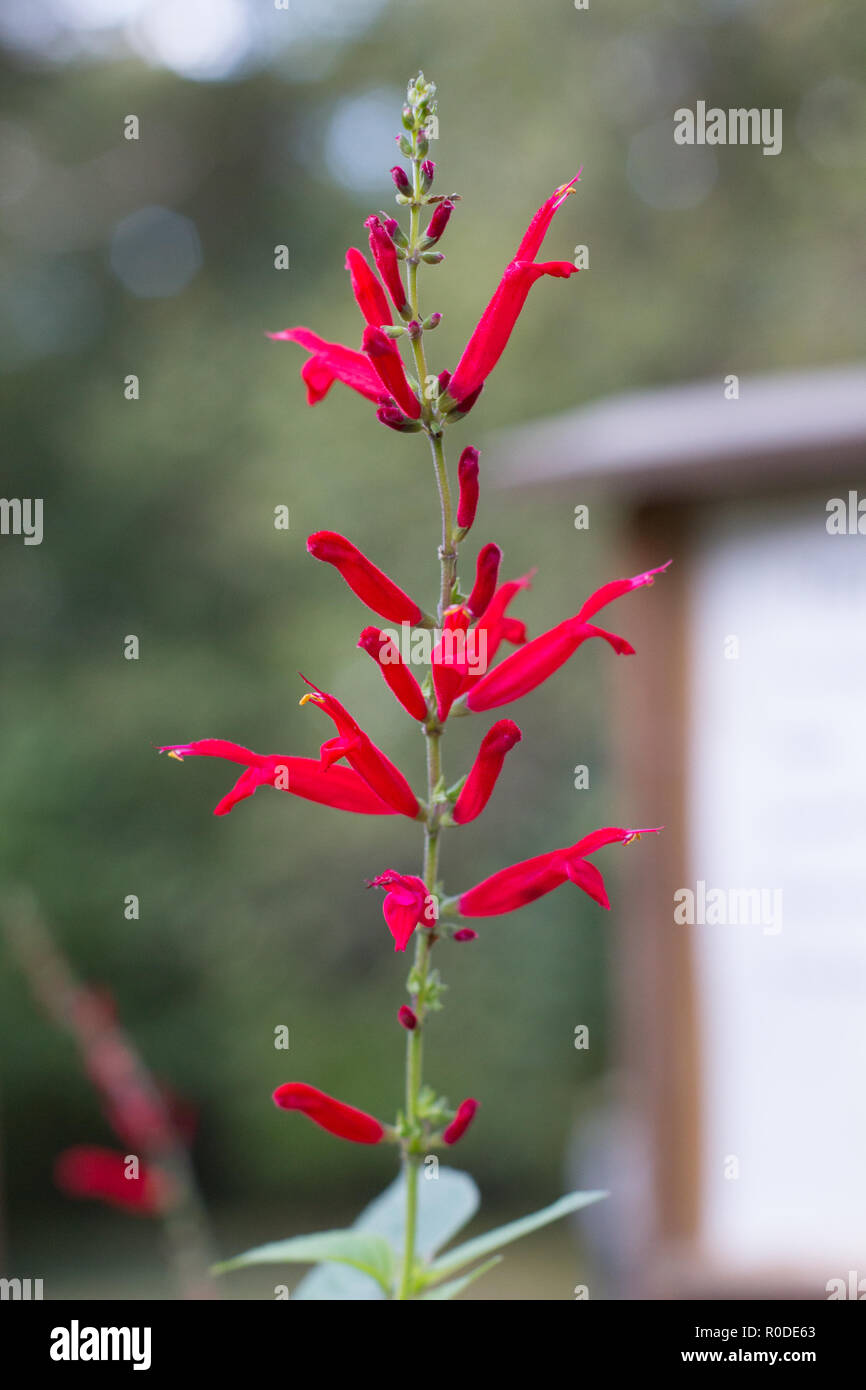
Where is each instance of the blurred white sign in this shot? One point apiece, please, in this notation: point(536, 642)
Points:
point(777, 803)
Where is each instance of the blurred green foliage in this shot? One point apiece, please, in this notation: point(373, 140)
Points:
point(159, 522)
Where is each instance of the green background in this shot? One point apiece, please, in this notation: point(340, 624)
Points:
point(159, 523)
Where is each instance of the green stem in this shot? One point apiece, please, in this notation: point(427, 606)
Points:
point(413, 1149)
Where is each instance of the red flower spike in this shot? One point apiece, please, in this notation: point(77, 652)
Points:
point(395, 671)
point(407, 1018)
point(522, 883)
point(361, 753)
point(408, 904)
point(467, 477)
point(486, 575)
point(364, 578)
point(91, 1171)
point(342, 1120)
point(369, 295)
point(387, 264)
point(332, 362)
point(461, 1122)
point(465, 934)
point(385, 358)
point(339, 787)
point(491, 335)
point(496, 743)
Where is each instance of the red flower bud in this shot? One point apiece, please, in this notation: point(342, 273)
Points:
point(496, 743)
point(363, 577)
point(387, 264)
point(401, 179)
point(465, 934)
point(90, 1171)
point(396, 673)
point(428, 169)
point(342, 1120)
point(395, 420)
point(486, 575)
point(467, 477)
point(384, 356)
point(461, 1122)
point(438, 222)
point(407, 1018)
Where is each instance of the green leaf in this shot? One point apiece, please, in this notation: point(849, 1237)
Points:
point(362, 1250)
point(504, 1235)
point(456, 1286)
point(445, 1205)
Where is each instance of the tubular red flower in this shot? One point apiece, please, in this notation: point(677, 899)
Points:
point(486, 575)
point(449, 658)
point(408, 904)
point(91, 1171)
point(467, 477)
point(522, 883)
point(493, 620)
point(496, 743)
point(406, 1018)
point(368, 292)
point(537, 229)
point(488, 341)
point(608, 592)
point(395, 671)
point(364, 578)
point(461, 1122)
point(339, 787)
point(388, 365)
point(521, 672)
point(332, 362)
point(361, 753)
point(333, 1115)
point(387, 264)
point(526, 668)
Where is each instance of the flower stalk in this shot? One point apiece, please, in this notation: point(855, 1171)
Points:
point(469, 633)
